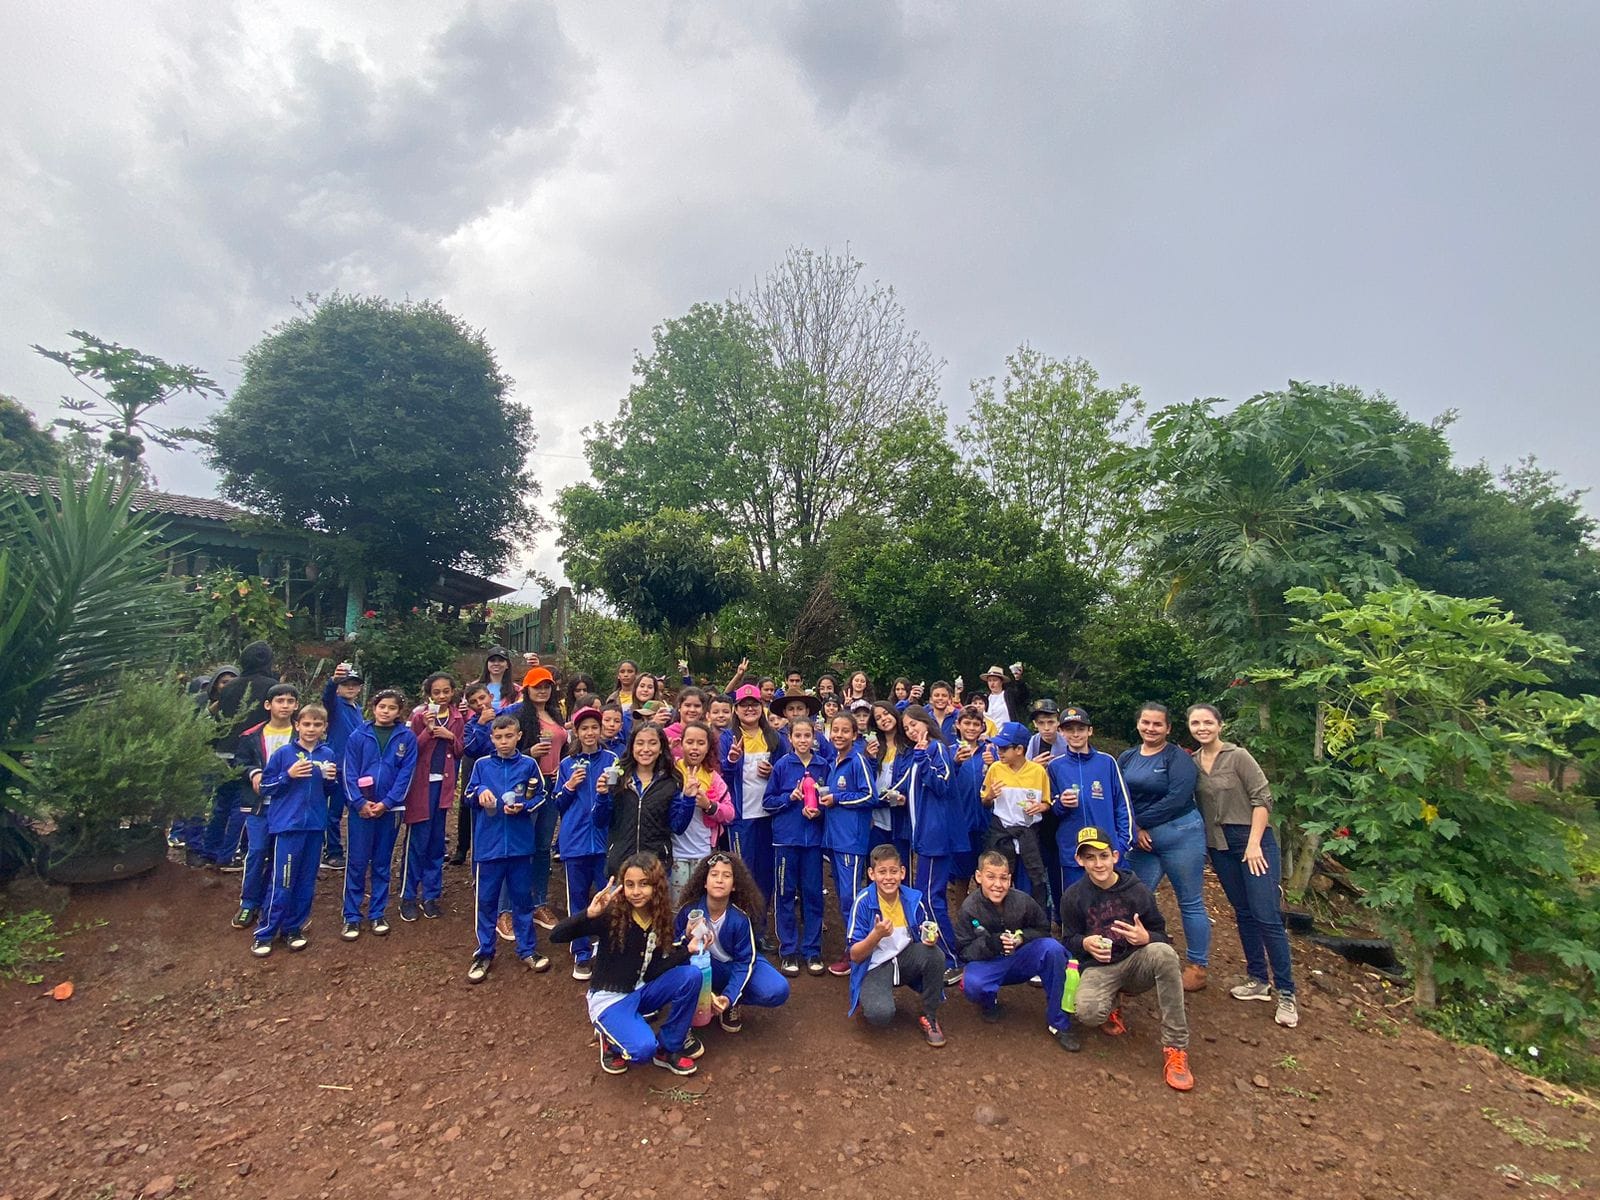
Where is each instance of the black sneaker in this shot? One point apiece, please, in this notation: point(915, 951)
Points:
point(479, 970)
point(351, 931)
point(678, 1064)
point(693, 1047)
point(536, 962)
point(334, 862)
point(261, 947)
point(297, 940)
point(767, 944)
point(952, 977)
point(814, 966)
point(731, 1020)
point(233, 866)
point(582, 972)
point(1068, 1039)
point(244, 918)
point(430, 909)
point(409, 911)
point(789, 965)
point(612, 1060)
point(380, 927)
point(993, 1014)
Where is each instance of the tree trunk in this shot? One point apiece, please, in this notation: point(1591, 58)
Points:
point(1427, 988)
point(1300, 851)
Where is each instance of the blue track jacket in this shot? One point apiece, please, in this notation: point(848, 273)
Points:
point(1102, 799)
point(390, 771)
point(790, 826)
point(736, 940)
point(864, 914)
point(930, 818)
point(847, 824)
point(298, 805)
point(344, 718)
point(586, 813)
point(495, 832)
point(967, 789)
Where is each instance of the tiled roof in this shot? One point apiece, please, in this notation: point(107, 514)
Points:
point(201, 508)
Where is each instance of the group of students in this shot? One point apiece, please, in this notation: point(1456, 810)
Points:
point(680, 825)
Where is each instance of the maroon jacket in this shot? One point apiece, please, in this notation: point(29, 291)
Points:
point(417, 793)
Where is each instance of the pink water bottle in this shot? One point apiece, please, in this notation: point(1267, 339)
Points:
point(808, 793)
point(368, 788)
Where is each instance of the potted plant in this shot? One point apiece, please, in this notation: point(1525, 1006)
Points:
point(114, 775)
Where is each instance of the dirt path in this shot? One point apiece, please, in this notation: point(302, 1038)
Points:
point(184, 1067)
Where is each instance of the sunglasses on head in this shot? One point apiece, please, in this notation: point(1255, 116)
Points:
point(720, 856)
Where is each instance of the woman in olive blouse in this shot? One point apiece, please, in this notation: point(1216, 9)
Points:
point(1236, 802)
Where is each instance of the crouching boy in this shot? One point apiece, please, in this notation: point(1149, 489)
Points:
point(1003, 937)
point(892, 940)
point(1110, 921)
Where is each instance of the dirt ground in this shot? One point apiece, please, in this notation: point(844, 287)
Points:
point(182, 1066)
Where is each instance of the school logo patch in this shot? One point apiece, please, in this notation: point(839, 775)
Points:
point(1096, 790)
point(400, 750)
point(842, 783)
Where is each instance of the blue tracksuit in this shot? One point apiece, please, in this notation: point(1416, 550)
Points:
point(1102, 802)
point(935, 828)
point(251, 757)
point(864, 914)
point(797, 850)
point(847, 824)
point(966, 792)
point(344, 718)
point(502, 845)
point(744, 977)
point(749, 836)
point(297, 819)
point(371, 849)
point(475, 741)
point(585, 829)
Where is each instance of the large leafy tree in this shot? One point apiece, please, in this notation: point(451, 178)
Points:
point(772, 412)
point(1048, 439)
point(388, 426)
point(672, 572)
point(23, 445)
point(127, 386)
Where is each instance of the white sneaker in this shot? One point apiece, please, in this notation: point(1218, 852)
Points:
point(582, 972)
point(1288, 1014)
point(1251, 989)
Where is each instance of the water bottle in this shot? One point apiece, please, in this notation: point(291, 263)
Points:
point(703, 1009)
point(808, 793)
point(1069, 990)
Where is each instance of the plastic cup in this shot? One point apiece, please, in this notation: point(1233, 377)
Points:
point(930, 933)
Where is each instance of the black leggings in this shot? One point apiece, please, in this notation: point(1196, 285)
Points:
point(1022, 842)
point(463, 814)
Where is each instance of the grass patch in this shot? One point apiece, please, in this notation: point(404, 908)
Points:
point(27, 942)
point(1532, 1133)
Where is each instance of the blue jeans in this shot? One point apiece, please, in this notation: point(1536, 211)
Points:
point(1256, 906)
point(1178, 852)
point(544, 833)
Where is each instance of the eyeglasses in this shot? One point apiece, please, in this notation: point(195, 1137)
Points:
point(720, 856)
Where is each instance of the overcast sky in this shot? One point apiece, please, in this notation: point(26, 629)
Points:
point(1203, 200)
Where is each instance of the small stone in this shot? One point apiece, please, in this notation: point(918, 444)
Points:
point(244, 1168)
point(1078, 1160)
point(160, 1187)
point(451, 1134)
point(989, 1115)
point(1260, 1081)
point(182, 1088)
point(381, 1128)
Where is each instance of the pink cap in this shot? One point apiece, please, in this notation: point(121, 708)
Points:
point(748, 692)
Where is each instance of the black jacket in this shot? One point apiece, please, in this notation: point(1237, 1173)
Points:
point(240, 703)
point(641, 822)
point(979, 925)
point(1087, 909)
point(638, 962)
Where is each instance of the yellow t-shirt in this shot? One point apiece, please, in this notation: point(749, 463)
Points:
point(893, 911)
point(625, 699)
point(754, 742)
point(1028, 784)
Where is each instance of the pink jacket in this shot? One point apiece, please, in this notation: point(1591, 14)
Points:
point(417, 793)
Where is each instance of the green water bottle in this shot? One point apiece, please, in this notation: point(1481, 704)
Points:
point(1069, 991)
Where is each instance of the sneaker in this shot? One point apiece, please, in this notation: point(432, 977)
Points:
point(297, 939)
point(244, 918)
point(351, 931)
point(536, 962)
point(380, 927)
point(1194, 977)
point(612, 1060)
point(731, 1020)
point(333, 862)
point(195, 860)
point(545, 917)
point(1288, 1014)
point(430, 909)
point(582, 972)
point(931, 1031)
point(502, 927)
point(1067, 1038)
point(814, 966)
point(993, 1014)
point(1114, 1025)
point(233, 866)
point(1251, 989)
point(842, 967)
point(174, 842)
point(952, 977)
point(693, 1047)
point(409, 911)
point(261, 947)
point(479, 970)
point(789, 965)
point(1176, 1069)
point(678, 1064)
point(767, 944)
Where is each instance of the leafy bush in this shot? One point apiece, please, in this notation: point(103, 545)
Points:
point(402, 651)
point(233, 611)
point(141, 758)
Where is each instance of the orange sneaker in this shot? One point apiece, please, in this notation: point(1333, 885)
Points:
point(504, 927)
point(1177, 1069)
point(1114, 1026)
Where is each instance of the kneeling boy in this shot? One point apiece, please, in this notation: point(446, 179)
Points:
point(892, 939)
point(1110, 920)
point(1003, 936)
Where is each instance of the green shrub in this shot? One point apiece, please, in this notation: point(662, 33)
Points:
point(400, 652)
point(139, 759)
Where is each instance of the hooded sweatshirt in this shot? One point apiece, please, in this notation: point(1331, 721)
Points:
point(240, 703)
point(1087, 908)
